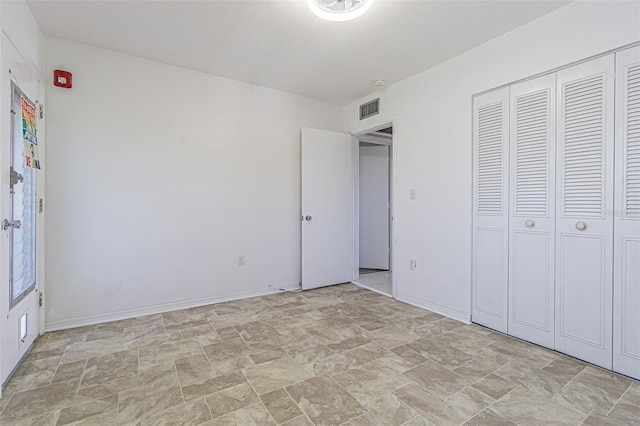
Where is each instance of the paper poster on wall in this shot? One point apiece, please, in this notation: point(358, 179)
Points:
point(31, 157)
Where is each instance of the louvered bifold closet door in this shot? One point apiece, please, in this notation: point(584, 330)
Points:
point(584, 225)
point(626, 306)
point(490, 218)
point(532, 210)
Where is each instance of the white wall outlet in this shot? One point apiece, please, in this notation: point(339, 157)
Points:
point(241, 260)
point(412, 193)
point(412, 264)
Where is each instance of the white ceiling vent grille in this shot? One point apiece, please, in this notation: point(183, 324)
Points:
point(370, 108)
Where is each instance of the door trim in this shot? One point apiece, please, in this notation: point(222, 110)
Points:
point(381, 123)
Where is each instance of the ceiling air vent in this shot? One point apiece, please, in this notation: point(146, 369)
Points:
point(370, 108)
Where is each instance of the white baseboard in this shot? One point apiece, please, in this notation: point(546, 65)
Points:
point(435, 307)
point(157, 309)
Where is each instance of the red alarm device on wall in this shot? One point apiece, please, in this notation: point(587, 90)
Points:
point(62, 79)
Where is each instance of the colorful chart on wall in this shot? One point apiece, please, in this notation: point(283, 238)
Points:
point(29, 137)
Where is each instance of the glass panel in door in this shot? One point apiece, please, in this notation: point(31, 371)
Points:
point(22, 221)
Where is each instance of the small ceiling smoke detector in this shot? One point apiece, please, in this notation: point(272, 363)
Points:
point(379, 82)
point(339, 10)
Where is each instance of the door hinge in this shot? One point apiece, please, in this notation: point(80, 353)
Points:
point(40, 299)
point(41, 111)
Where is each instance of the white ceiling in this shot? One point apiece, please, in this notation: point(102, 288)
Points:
point(282, 45)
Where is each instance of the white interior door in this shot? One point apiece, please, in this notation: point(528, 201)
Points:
point(584, 248)
point(626, 307)
point(491, 208)
point(19, 311)
point(327, 208)
point(374, 206)
point(532, 221)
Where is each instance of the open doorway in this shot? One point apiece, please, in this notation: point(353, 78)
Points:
point(374, 210)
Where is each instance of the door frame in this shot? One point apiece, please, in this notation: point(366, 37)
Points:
point(379, 124)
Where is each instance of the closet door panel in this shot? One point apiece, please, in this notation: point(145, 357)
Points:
point(532, 210)
point(584, 224)
point(626, 330)
point(490, 218)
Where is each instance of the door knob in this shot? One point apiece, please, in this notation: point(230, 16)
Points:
point(307, 218)
point(530, 223)
point(581, 226)
point(15, 224)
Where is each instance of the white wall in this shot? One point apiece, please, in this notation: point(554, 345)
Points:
point(432, 136)
point(159, 178)
point(374, 206)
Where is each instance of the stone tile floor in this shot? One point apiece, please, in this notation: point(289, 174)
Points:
point(340, 355)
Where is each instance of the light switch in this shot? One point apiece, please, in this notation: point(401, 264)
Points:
point(412, 193)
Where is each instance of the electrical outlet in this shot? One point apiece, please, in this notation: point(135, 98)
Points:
point(412, 264)
point(241, 260)
point(412, 193)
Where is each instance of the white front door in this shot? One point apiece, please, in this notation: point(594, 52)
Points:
point(19, 309)
point(327, 208)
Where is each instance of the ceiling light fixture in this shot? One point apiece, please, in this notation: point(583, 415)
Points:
point(379, 82)
point(339, 10)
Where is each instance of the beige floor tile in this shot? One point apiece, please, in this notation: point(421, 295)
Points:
point(193, 369)
point(536, 381)
point(188, 414)
point(46, 419)
point(170, 351)
point(440, 352)
point(494, 386)
point(85, 350)
point(212, 385)
point(396, 364)
point(280, 405)
point(521, 407)
point(275, 374)
point(268, 355)
point(40, 401)
point(371, 380)
point(107, 368)
point(437, 379)
point(333, 364)
point(227, 349)
point(430, 406)
point(146, 401)
point(369, 352)
point(254, 415)
point(391, 410)
point(103, 390)
point(231, 399)
point(256, 331)
point(324, 401)
point(299, 421)
point(409, 355)
point(489, 417)
point(593, 389)
point(391, 336)
point(65, 372)
point(418, 421)
point(84, 411)
point(564, 367)
point(366, 419)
